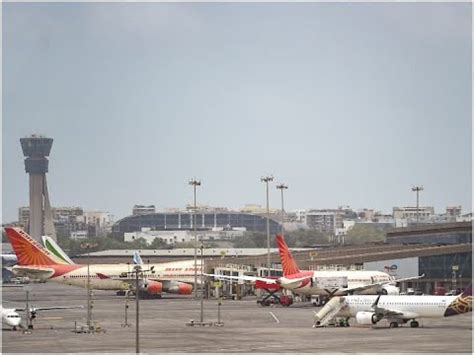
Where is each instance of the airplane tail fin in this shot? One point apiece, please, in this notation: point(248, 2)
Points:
point(288, 263)
point(461, 304)
point(28, 251)
point(55, 249)
point(137, 260)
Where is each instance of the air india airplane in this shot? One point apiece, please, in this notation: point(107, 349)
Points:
point(325, 283)
point(397, 310)
point(35, 262)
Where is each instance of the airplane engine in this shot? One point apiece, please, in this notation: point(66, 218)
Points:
point(153, 287)
point(366, 318)
point(390, 290)
point(177, 287)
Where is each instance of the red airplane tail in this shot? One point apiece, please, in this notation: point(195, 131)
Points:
point(288, 263)
point(28, 251)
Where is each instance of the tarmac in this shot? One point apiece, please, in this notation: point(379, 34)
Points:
point(248, 327)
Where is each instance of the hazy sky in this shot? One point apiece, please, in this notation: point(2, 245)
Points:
point(349, 104)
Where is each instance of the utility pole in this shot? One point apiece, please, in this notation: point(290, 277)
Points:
point(266, 180)
point(282, 187)
point(137, 316)
point(194, 183)
point(417, 189)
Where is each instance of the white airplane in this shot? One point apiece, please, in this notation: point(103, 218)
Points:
point(11, 317)
point(369, 310)
point(35, 262)
point(325, 283)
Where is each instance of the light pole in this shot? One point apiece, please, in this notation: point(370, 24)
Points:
point(138, 271)
point(88, 246)
point(29, 325)
point(282, 187)
point(417, 189)
point(266, 180)
point(202, 289)
point(195, 183)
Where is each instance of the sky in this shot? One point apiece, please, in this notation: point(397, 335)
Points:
point(348, 104)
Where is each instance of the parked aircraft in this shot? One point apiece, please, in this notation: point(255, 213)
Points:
point(401, 309)
point(325, 283)
point(11, 317)
point(36, 262)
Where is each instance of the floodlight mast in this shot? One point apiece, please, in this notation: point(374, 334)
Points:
point(417, 189)
point(282, 187)
point(195, 183)
point(266, 180)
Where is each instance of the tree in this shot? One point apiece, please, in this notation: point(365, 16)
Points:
point(363, 233)
point(159, 243)
point(139, 243)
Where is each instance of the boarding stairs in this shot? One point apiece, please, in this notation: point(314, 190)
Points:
point(327, 314)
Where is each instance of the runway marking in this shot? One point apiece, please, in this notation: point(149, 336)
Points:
point(275, 317)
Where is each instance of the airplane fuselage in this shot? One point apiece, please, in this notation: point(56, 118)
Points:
point(76, 274)
point(10, 317)
point(410, 306)
point(310, 286)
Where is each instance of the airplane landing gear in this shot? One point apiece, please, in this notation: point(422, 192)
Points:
point(393, 325)
point(414, 324)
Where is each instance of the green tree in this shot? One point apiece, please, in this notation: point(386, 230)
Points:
point(363, 233)
point(159, 243)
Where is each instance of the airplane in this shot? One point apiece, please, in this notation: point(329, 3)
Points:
point(11, 317)
point(36, 262)
point(369, 310)
point(327, 283)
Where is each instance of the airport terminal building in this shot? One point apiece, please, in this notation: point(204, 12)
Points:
point(204, 221)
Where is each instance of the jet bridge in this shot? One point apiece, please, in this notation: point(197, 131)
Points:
point(328, 313)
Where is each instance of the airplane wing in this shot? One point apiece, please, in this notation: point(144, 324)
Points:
point(391, 313)
point(38, 309)
point(375, 284)
point(243, 277)
point(33, 272)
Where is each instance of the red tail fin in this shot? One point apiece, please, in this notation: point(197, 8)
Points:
point(287, 261)
point(28, 251)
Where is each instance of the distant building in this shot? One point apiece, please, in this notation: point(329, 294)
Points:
point(326, 221)
point(300, 216)
point(69, 220)
point(24, 217)
point(98, 223)
point(453, 212)
point(412, 213)
point(366, 214)
point(329, 220)
point(142, 209)
point(208, 220)
point(82, 234)
point(182, 236)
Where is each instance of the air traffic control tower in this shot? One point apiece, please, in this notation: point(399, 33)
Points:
point(35, 149)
